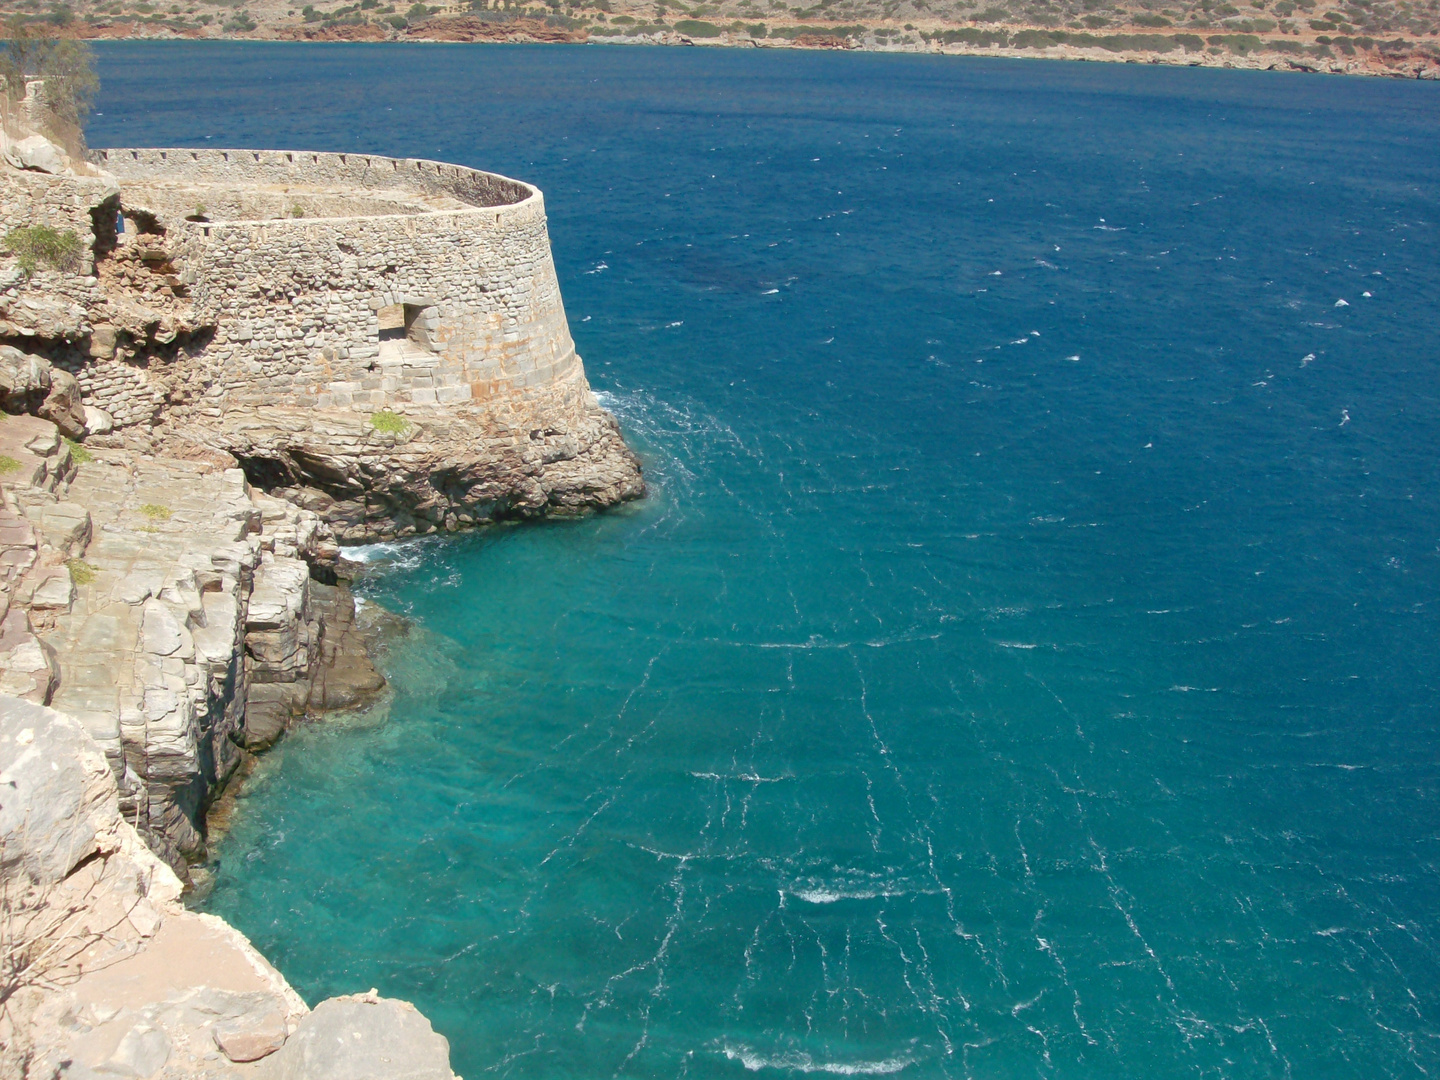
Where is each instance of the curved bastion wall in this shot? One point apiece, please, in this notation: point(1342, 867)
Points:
point(401, 302)
point(281, 305)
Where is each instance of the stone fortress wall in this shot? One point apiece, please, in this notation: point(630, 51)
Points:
point(375, 283)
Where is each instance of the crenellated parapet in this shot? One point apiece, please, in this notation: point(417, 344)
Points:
point(341, 280)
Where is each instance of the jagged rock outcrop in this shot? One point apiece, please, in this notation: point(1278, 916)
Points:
point(440, 471)
point(173, 610)
point(103, 973)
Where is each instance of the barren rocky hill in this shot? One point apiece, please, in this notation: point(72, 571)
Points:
point(1380, 37)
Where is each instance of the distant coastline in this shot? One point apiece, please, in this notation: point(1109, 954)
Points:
point(1220, 46)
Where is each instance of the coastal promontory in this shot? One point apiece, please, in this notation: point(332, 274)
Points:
point(216, 367)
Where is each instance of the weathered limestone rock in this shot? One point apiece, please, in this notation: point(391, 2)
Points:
point(362, 1037)
point(62, 406)
point(57, 796)
point(127, 982)
point(36, 152)
point(166, 604)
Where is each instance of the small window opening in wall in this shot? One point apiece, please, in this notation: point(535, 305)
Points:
point(401, 322)
point(290, 158)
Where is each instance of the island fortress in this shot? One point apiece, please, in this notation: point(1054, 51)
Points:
point(345, 300)
point(380, 340)
point(215, 367)
point(349, 279)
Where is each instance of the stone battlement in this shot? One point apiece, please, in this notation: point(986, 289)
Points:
point(358, 171)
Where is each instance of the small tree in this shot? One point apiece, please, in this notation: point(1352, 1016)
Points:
point(66, 65)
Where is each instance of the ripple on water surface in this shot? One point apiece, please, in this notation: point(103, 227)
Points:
point(1024, 665)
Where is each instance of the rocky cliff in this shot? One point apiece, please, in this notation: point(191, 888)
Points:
point(196, 407)
point(103, 973)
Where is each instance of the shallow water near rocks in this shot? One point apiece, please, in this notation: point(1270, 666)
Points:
point(1025, 664)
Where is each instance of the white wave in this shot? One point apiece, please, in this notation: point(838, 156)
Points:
point(1015, 644)
point(748, 778)
point(1342, 303)
point(395, 554)
point(769, 292)
point(798, 1061)
point(829, 896)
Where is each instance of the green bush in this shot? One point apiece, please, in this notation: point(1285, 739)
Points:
point(969, 35)
point(8, 464)
point(1240, 44)
point(156, 512)
point(696, 28)
point(389, 422)
point(34, 245)
point(417, 11)
point(792, 32)
point(78, 453)
point(1152, 20)
point(397, 21)
point(81, 572)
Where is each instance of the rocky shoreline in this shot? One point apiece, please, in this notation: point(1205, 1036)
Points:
point(195, 411)
point(1215, 46)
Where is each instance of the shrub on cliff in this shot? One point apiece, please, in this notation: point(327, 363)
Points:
point(34, 245)
point(696, 28)
point(389, 422)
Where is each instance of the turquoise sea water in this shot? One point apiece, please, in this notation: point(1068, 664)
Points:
point(1026, 662)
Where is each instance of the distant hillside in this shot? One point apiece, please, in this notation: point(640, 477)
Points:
point(1377, 37)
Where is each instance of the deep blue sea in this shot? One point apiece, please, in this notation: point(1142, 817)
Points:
point(1027, 662)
